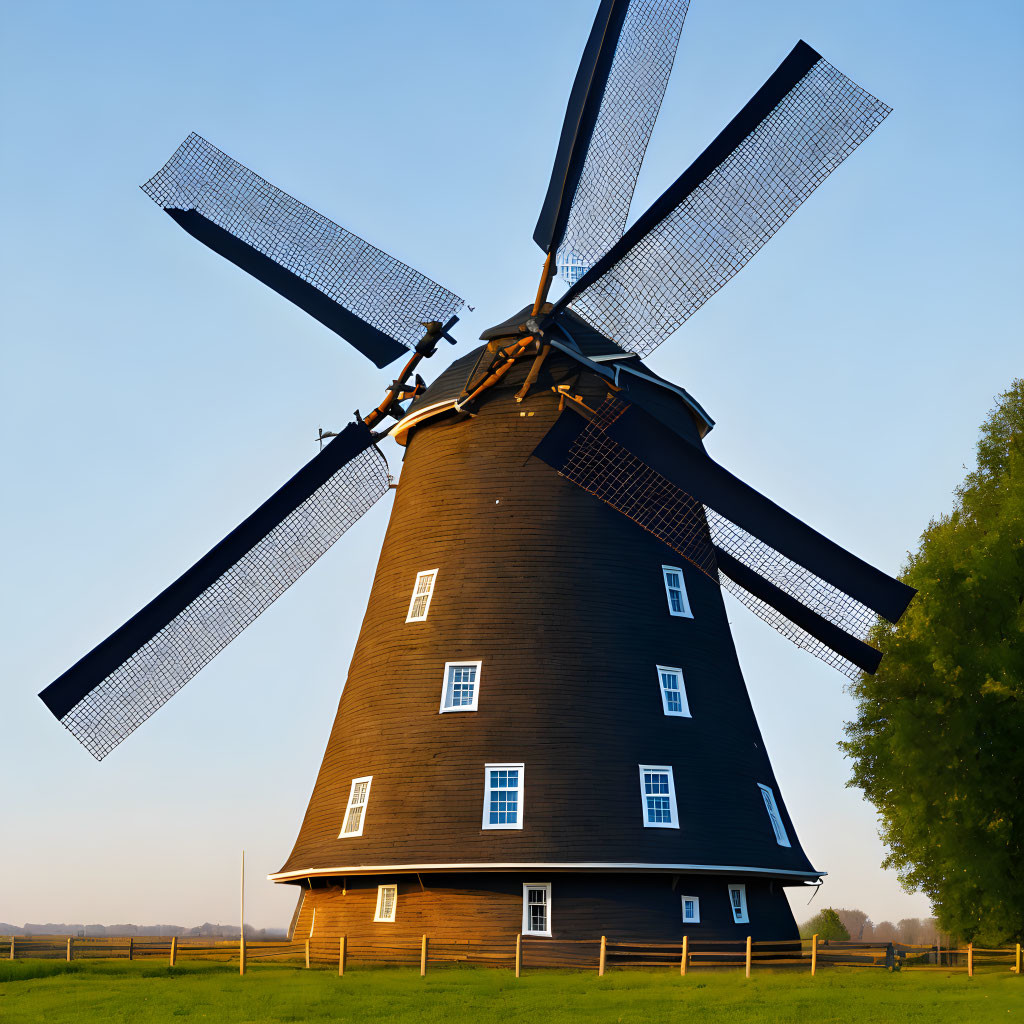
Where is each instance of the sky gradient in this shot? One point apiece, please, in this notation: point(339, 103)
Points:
point(153, 395)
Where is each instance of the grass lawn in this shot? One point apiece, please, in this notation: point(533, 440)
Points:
point(119, 991)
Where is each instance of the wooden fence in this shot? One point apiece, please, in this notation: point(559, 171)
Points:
point(521, 953)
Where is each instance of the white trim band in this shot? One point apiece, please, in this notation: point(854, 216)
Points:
point(588, 865)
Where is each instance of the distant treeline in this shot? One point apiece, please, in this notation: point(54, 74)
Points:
point(914, 931)
point(98, 931)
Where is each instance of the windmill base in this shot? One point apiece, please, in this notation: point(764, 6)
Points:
point(481, 908)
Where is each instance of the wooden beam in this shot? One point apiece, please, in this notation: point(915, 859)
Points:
point(174, 950)
point(970, 959)
point(423, 957)
point(519, 954)
point(341, 956)
point(307, 953)
point(70, 953)
point(814, 954)
point(748, 955)
point(686, 955)
point(603, 956)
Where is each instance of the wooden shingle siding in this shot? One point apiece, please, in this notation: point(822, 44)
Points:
point(477, 907)
point(562, 600)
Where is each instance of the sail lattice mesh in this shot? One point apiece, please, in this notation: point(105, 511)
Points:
point(609, 471)
point(720, 224)
point(143, 683)
point(636, 85)
point(379, 289)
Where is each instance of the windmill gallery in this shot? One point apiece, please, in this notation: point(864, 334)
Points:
point(544, 728)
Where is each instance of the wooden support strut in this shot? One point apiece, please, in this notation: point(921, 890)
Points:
point(547, 275)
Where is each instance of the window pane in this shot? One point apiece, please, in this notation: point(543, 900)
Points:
point(675, 600)
point(355, 815)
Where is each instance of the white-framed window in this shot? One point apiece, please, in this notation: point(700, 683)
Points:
point(658, 792)
point(537, 908)
point(422, 591)
point(738, 903)
point(675, 590)
point(503, 795)
point(773, 813)
point(387, 903)
point(355, 810)
point(461, 688)
point(691, 910)
point(673, 692)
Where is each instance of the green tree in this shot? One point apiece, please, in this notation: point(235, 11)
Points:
point(825, 924)
point(938, 742)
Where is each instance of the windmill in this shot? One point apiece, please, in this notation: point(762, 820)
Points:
point(544, 727)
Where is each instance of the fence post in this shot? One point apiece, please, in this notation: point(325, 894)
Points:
point(242, 954)
point(814, 954)
point(307, 952)
point(423, 958)
point(70, 947)
point(341, 956)
point(602, 957)
point(519, 954)
point(970, 959)
point(1016, 967)
point(685, 956)
point(748, 956)
point(174, 949)
point(131, 947)
point(12, 950)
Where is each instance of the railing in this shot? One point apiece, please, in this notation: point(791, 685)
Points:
point(525, 952)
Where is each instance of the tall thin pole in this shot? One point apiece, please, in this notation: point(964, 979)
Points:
point(241, 931)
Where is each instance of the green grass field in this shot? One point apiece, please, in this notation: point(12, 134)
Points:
point(140, 992)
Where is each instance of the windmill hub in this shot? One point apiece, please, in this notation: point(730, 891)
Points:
point(544, 716)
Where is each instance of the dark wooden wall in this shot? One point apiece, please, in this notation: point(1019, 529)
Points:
point(563, 602)
point(623, 907)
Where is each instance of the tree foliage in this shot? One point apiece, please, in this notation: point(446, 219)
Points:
point(938, 742)
point(826, 925)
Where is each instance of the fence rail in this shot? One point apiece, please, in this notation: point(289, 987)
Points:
point(522, 952)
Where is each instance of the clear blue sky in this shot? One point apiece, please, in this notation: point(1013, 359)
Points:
point(153, 395)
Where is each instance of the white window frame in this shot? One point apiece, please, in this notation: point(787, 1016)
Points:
point(368, 779)
point(678, 673)
point(665, 769)
point(377, 915)
point(448, 666)
point(695, 900)
point(773, 814)
point(686, 613)
point(432, 573)
point(743, 917)
point(520, 800)
point(527, 886)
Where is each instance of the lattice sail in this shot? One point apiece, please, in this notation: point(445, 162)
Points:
point(117, 686)
point(611, 139)
point(801, 125)
point(609, 458)
point(374, 301)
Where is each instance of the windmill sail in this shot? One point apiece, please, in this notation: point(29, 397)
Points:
point(803, 122)
point(817, 593)
point(119, 684)
point(611, 112)
point(367, 297)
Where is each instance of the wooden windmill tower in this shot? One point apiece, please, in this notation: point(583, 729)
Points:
point(544, 727)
